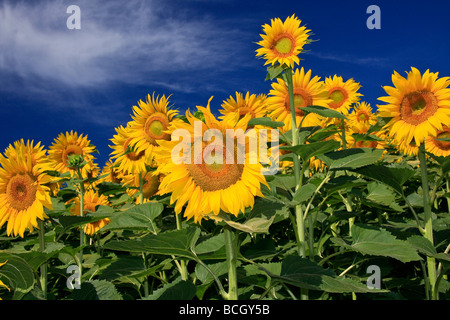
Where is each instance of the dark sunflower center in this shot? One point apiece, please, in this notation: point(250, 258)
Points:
point(155, 126)
point(444, 145)
point(362, 116)
point(283, 44)
point(339, 96)
point(150, 187)
point(418, 106)
point(213, 173)
point(366, 144)
point(133, 156)
point(301, 99)
point(21, 191)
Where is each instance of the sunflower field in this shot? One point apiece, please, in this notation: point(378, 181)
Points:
point(339, 201)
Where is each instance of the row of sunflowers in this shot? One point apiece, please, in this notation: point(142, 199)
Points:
point(321, 124)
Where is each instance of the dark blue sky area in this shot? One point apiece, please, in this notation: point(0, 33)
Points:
point(55, 80)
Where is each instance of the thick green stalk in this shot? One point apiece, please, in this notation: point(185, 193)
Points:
point(82, 240)
point(43, 268)
point(431, 262)
point(231, 253)
point(299, 217)
point(144, 256)
point(300, 225)
point(183, 264)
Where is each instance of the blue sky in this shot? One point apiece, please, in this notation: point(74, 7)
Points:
point(54, 80)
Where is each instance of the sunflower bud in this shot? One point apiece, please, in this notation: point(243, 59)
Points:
point(76, 161)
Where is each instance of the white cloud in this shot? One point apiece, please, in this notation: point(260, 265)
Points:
point(367, 61)
point(118, 41)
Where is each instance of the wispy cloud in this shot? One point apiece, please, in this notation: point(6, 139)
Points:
point(366, 61)
point(130, 42)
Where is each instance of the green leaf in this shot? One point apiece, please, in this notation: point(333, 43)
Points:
point(211, 244)
point(17, 275)
point(252, 225)
point(365, 137)
point(268, 209)
point(379, 242)
point(274, 71)
point(124, 266)
point(177, 242)
point(96, 290)
point(307, 151)
point(425, 246)
point(265, 121)
point(380, 193)
point(303, 273)
point(394, 177)
point(343, 182)
point(219, 269)
point(110, 188)
point(351, 158)
point(304, 193)
point(139, 217)
point(324, 112)
point(177, 290)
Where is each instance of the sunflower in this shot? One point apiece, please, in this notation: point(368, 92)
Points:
point(419, 106)
point(125, 155)
point(408, 149)
point(342, 94)
point(283, 42)
point(35, 151)
point(23, 190)
point(439, 147)
point(69, 144)
point(111, 172)
point(250, 104)
point(362, 117)
point(149, 188)
point(91, 200)
point(205, 179)
point(150, 121)
point(307, 92)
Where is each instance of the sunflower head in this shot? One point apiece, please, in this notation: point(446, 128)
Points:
point(342, 94)
point(127, 158)
point(91, 200)
point(252, 104)
point(418, 105)
point(438, 145)
point(67, 146)
point(308, 91)
point(23, 190)
point(150, 184)
point(282, 42)
point(209, 178)
point(151, 119)
point(362, 117)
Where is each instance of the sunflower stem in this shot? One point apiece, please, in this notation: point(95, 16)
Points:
point(431, 262)
point(231, 253)
point(183, 264)
point(82, 240)
point(144, 256)
point(344, 141)
point(300, 224)
point(44, 266)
